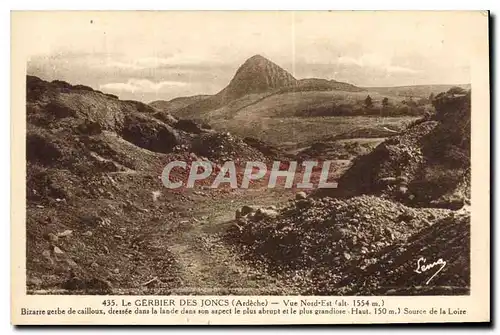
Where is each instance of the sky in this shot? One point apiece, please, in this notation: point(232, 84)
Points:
point(151, 56)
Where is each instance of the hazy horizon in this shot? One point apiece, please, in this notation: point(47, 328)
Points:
point(164, 55)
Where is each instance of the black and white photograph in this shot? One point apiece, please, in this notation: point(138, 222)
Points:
point(249, 154)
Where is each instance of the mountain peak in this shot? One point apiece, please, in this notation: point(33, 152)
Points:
point(257, 74)
point(257, 58)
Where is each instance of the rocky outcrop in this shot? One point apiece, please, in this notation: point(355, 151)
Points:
point(429, 162)
point(222, 147)
point(256, 75)
point(149, 133)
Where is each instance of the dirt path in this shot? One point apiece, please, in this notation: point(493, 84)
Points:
point(206, 264)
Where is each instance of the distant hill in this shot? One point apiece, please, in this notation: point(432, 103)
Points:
point(262, 97)
point(316, 84)
point(255, 80)
point(177, 103)
point(416, 91)
point(256, 75)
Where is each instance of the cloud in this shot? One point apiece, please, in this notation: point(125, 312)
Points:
point(400, 69)
point(141, 86)
point(349, 61)
point(375, 61)
point(156, 62)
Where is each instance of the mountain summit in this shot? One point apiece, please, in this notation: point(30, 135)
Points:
point(257, 79)
point(258, 74)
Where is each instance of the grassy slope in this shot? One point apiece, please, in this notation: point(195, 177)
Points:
point(177, 103)
point(271, 116)
point(292, 131)
point(273, 104)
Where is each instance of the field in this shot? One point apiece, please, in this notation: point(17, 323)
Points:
point(291, 104)
point(291, 132)
point(288, 104)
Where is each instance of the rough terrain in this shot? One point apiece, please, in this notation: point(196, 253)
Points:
point(100, 221)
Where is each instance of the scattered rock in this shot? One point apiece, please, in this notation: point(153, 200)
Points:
point(328, 234)
point(93, 284)
point(71, 263)
point(263, 213)
point(52, 238)
point(302, 203)
point(156, 195)
point(245, 210)
point(34, 281)
point(46, 254)
point(90, 219)
point(65, 233)
point(58, 251)
point(300, 195)
point(150, 282)
point(387, 181)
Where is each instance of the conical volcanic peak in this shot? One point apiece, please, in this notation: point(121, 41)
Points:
point(256, 75)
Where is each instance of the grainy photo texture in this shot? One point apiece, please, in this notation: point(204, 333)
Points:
point(265, 153)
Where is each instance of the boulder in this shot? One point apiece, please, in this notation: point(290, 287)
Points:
point(245, 210)
point(263, 213)
point(52, 238)
point(58, 251)
point(65, 233)
point(300, 195)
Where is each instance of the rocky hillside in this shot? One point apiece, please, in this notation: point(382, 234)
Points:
point(363, 245)
point(99, 220)
point(383, 222)
point(177, 103)
point(427, 165)
point(95, 200)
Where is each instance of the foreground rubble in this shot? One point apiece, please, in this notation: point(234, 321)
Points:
point(330, 246)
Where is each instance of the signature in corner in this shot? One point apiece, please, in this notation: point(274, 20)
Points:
point(423, 267)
